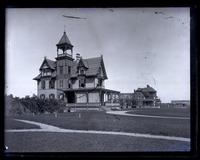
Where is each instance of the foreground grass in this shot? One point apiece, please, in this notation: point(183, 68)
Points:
point(177, 112)
point(76, 142)
point(12, 124)
point(106, 122)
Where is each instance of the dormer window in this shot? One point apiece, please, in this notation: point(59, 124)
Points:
point(46, 73)
point(82, 71)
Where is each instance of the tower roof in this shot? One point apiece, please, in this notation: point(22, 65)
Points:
point(64, 40)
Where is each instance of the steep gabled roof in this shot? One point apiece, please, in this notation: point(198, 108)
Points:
point(82, 64)
point(37, 77)
point(92, 64)
point(51, 64)
point(147, 89)
point(138, 94)
point(64, 40)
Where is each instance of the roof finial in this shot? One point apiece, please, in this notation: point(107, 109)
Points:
point(45, 57)
point(64, 28)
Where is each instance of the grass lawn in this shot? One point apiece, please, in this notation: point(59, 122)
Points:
point(68, 142)
point(177, 112)
point(12, 124)
point(105, 122)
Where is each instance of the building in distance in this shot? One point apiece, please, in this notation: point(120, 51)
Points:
point(142, 97)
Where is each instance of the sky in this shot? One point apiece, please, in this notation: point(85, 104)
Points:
point(140, 46)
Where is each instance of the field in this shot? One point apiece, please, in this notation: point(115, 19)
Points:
point(99, 121)
point(179, 112)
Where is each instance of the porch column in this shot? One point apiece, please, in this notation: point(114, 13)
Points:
point(102, 97)
point(87, 97)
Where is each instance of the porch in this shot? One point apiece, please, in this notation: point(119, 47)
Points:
point(91, 97)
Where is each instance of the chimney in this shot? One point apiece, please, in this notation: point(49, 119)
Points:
point(78, 57)
point(148, 86)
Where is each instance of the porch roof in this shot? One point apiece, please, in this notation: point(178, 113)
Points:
point(91, 90)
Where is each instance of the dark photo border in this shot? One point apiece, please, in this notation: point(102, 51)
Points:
point(194, 57)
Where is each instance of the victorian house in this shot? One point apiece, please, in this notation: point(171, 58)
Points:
point(76, 81)
point(146, 96)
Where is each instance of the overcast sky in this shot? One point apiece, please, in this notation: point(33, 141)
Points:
point(140, 46)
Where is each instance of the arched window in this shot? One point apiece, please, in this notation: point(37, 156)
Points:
point(51, 96)
point(42, 96)
point(61, 96)
point(52, 84)
point(43, 84)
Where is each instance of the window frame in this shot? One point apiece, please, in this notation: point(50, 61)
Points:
point(61, 69)
point(61, 83)
point(43, 84)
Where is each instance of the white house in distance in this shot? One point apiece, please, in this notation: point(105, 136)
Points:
point(76, 81)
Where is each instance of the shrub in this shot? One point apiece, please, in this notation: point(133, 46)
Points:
point(32, 105)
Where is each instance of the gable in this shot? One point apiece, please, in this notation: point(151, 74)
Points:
point(47, 63)
point(93, 66)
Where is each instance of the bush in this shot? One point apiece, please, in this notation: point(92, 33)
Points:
point(33, 104)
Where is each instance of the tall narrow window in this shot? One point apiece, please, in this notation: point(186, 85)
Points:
point(52, 84)
point(43, 84)
point(82, 82)
point(61, 69)
point(61, 83)
point(69, 84)
point(69, 69)
point(100, 82)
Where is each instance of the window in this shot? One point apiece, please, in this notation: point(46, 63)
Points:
point(52, 84)
point(43, 85)
point(61, 96)
point(69, 69)
point(69, 84)
point(48, 73)
point(51, 96)
point(82, 82)
point(81, 71)
point(99, 82)
point(61, 69)
point(61, 83)
point(42, 96)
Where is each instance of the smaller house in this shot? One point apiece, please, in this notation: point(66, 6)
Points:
point(146, 97)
